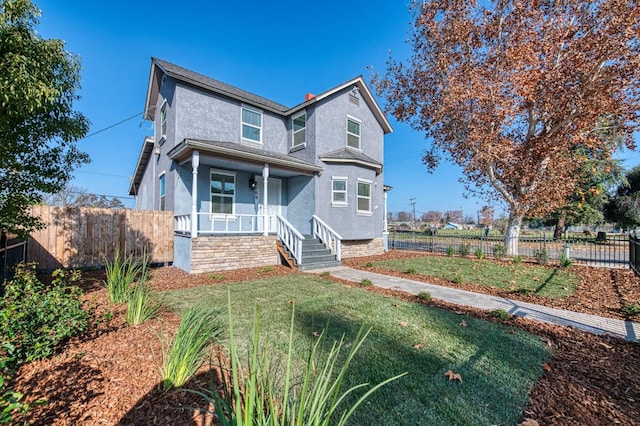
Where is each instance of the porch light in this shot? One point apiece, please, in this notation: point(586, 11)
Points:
point(252, 183)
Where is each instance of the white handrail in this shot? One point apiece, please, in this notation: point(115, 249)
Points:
point(209, 223)
point(290, 237)
point(327, 235)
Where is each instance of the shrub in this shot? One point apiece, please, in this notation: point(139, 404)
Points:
point(35, 318)
point(186, 353)
point(254, 395)
point(631, 309)
point(500, 314)
point(450, 251)
point(464, 249)
point(325, 274)
point(541, 256)
point(479, 253)
point(499, 250)
point(424, 295)
point(565, 262)
point(121, 273)
point(142, 304)
point(366, 282)
point(517, 259)
point(368, 265)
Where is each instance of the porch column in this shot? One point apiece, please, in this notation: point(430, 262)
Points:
point(385, 224)
point(195, 162)
point(265, 197)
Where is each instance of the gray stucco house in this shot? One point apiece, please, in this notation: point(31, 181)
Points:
point(252, 182)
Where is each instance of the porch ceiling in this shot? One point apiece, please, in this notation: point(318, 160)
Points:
point(232, 155)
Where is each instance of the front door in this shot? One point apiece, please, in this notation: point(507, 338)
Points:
point(274, 201)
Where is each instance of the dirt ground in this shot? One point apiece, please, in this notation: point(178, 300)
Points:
point(111, 375)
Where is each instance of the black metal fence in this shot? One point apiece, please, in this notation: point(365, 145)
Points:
point(12, 252)
point(634, 254)
point(603, 250)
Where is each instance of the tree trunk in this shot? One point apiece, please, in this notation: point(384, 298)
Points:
point(560, 223)
point(512, 235)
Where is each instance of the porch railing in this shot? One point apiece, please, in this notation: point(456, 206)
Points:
point(209, 223)
point(327, 235)
point(290, 237)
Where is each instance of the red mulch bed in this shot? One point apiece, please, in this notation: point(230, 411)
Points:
point(111, 375)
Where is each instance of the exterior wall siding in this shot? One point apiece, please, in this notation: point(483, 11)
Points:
point(224, 253)
point(359, 248)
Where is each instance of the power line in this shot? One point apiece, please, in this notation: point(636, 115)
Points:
point(112, 126)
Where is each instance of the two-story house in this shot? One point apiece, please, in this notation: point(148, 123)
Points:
point(252, 182)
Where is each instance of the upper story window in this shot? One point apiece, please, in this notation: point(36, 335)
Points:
point(163, 121)
point(223, 192)
point(299, 129)
point(353, 133)
point(251, 124)
point(339, 191)
point(364, 196)
point(163, 191)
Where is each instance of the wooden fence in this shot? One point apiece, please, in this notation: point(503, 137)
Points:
point(83, 237)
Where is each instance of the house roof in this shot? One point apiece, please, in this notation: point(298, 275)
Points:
point(198, 80)
point(241, 153)
point(143, 159)
point(351, 156)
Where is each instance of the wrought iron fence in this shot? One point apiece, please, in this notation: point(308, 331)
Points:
point(601, 249)
point(634, 253)
point(12, 252)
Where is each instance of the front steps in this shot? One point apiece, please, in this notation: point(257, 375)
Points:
point(314, 255)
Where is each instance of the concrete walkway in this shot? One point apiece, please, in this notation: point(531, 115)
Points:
point(590, 323)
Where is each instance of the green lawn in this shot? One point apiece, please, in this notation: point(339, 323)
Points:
point(498, 365)
point(519, 278)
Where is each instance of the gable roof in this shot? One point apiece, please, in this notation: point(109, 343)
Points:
point(160, 67)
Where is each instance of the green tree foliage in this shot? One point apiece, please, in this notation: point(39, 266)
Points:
point(38, 126)
point(624, 206)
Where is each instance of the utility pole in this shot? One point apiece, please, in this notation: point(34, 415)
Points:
point(413, 203)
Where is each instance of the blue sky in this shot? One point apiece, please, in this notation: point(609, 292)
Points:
point(280, 50)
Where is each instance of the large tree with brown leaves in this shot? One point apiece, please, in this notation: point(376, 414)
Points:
point(509, 90)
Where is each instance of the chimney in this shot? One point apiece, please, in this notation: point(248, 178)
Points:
point(309, 96)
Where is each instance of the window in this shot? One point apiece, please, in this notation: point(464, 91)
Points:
point(339, 191)
point(364, 196)
point(163, 189)
point(251, 125)
point(223, 189)
point(299, 129)
point(353, 133)
point(163, 121)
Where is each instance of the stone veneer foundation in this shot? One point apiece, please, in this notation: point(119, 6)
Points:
point(224, 253)
point(359, 248)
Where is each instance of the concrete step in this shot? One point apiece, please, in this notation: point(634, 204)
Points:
point(316, 252)
point(319, 265)
point(320, 258)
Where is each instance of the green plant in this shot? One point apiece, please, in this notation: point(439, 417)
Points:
point(35, 318)
point(122, 272)
point(631, 309)
point(142, 304)
point(464, 249)
point(325, 274)
point(517, 259)
point(457, 279)
point(500, 314)
point(450, 251)
point(253, 395)
point(411, 271)
point(217, 277)
point(564, 261)
point(368, 265)
point(181, 359)
point(267, 269)
point(479, 253)
point(424, 295)
point(499, 250)
point(541, 256)
point(366, 282)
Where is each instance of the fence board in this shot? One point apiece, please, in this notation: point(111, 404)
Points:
point(84, 237)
